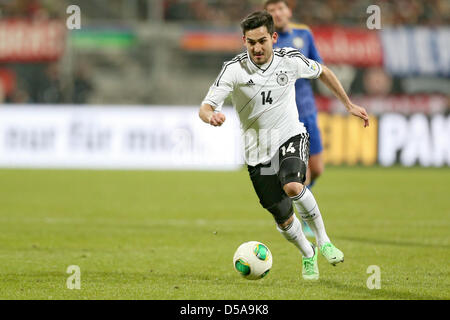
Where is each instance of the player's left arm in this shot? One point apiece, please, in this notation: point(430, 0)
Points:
point(310, 69)
point(332, 82)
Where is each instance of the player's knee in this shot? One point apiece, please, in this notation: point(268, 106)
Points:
point(293, 188)
point(292, 170)
point(286, 223)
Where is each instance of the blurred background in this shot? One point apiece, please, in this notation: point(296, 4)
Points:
point(116, 84)
point(141, 59)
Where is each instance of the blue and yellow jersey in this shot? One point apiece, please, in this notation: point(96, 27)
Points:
point(300, 37)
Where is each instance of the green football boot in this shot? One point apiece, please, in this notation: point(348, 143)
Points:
point(331, 253)
point(310, 267)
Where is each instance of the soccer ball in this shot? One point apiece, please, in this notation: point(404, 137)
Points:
point(252, 260)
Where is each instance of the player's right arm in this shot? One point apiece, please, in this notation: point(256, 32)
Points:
point(210, 110)
point(208, 115)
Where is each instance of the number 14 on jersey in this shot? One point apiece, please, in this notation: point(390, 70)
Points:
point(290, 149)
point(266, 99)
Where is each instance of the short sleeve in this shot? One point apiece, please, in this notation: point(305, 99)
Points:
point(221, 88)
point(307, 68)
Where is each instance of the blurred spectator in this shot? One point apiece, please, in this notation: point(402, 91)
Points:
point(51, 88)
point(34, 81)
point(19, 96)
point(178, 10)
point(377, 82)
point(82, 86)
point(343, 12)
point(215, 12)
point(36, 10)
point(2, 93)
point(7, 83)
point(38, 81)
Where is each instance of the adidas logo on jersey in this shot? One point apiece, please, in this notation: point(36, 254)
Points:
point(250, 83)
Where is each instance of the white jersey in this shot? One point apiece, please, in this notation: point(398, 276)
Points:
point(264, 98)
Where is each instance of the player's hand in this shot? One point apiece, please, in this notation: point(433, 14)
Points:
point(217, 119)
point(359, 112)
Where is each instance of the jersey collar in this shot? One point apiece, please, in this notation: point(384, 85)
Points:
point(262, 68)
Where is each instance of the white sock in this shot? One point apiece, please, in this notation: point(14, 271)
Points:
point(294, 234)
point(309, 211)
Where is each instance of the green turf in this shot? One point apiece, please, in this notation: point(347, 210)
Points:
point(172, 235)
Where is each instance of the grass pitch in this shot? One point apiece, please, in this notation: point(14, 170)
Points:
point(172, 235)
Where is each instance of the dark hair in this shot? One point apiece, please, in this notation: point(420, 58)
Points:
point(269, 2)
point(257, 19)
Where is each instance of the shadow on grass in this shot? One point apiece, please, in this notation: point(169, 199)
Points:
point(394, 242)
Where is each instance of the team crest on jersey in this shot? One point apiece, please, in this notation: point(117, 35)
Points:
point(298, 42)
point(282, 78)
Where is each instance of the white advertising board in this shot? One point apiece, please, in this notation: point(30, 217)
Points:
point(415, 140)
point(125, 137)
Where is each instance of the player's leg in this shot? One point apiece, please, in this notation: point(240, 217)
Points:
point(306, 205)
point(292, 174)
point(315, 163)
point(291, 230)
point(315, 169)
point(274, 199)
point(303, 201)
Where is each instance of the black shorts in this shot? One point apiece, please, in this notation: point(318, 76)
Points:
point(288, 165)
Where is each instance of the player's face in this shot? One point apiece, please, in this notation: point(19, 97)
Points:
point(280, 13)
point(259, 43)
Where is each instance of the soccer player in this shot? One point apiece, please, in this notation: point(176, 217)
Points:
point(261, 82)
point(299, 36)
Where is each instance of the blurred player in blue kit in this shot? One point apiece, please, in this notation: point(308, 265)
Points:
point(299, 36)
